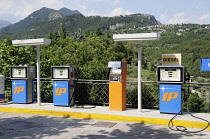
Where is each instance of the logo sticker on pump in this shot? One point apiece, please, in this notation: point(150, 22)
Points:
point(168, 96)
point(18, 89)
point(59, 91)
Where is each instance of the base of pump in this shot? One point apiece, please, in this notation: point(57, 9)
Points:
point(60, 106)
point(179, 113)
point(22, 102)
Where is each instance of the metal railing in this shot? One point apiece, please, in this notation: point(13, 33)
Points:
point(196, 95)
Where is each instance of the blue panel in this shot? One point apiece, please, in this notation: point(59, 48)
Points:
point(19, 91)
point(61, 93)
point(1, 96)
point(170, 98)
point(205, 65)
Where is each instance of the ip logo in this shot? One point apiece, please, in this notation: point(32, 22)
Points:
point(168, 96)
point(18, 89)
point(60, 91)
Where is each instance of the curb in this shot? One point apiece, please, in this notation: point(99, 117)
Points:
point(190, 124)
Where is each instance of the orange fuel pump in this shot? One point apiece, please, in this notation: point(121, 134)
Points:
point(117, 85)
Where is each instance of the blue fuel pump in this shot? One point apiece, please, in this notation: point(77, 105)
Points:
point(170, 88)
point(63, 85)
point(171, 79)
point(22, 83)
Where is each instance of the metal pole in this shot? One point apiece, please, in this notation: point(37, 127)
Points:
point(139, 77)
point(38, 76)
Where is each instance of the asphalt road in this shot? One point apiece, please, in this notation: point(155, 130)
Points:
point(32, 126)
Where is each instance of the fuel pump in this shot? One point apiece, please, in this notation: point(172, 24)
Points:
point(117, 85)
point(171, 79)
point(180, 78)
point(63, 85)
point(22, 83)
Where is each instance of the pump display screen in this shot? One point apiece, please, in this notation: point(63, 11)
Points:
point(19, 72)
point(170, 74)
point(60, 73)
point(115, 71)
point(114, 64)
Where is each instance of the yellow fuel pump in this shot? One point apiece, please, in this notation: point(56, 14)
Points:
point(117, 85)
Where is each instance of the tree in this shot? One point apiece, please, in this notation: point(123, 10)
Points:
point(63, 32)
point(12, 55)
point(99, 32)
point(195, 103)
point(79, 36)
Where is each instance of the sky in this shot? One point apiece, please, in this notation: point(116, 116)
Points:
point(165, 11)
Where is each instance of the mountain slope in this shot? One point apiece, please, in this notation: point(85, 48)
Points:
point(45, 20)
point(42, 15)
point(75, 22)
point(66, 11)
point(4, 23)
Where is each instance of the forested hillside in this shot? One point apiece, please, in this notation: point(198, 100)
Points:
point(191, 40)
point(91, 51)
point(45, 20)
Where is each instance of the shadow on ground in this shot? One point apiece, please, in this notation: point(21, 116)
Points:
point(13, 125)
